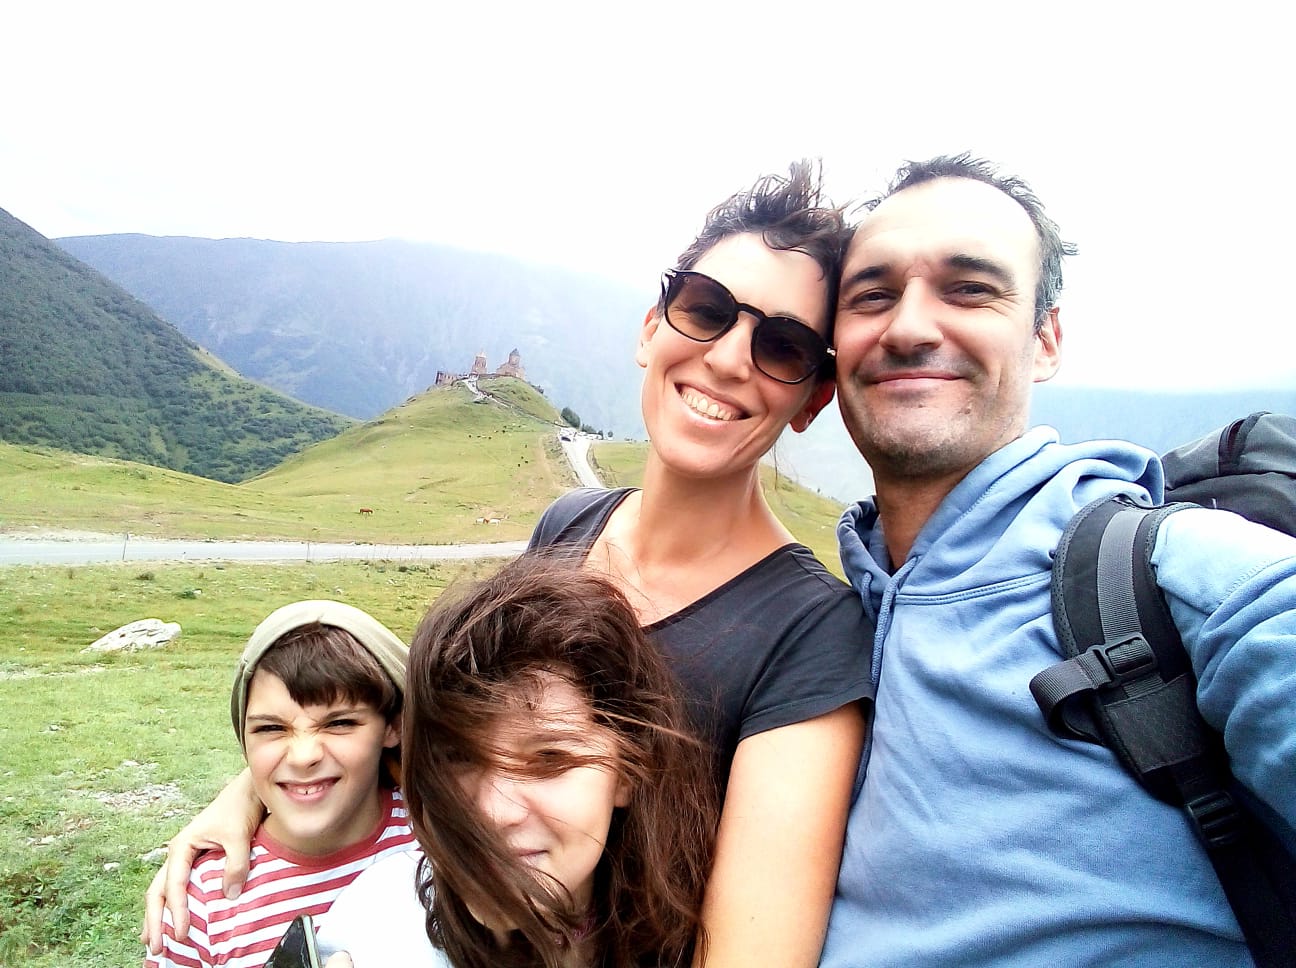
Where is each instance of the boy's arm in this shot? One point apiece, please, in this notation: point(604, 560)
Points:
point(1231, 588)
point(780, 843)
point(229, 822)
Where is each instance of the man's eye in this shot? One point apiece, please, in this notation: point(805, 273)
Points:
point(869, 299)
point(972, 291)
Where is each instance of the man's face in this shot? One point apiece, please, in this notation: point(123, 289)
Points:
point(936, 340)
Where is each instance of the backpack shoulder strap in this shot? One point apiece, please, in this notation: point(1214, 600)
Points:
point(1127, 684)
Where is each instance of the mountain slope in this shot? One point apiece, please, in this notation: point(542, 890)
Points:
point(426, 471)
point(359, 326)
point(86, 367)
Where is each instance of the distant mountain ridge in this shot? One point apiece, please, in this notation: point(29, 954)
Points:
point(360, 326)
point(84, 366)
point(357, 327)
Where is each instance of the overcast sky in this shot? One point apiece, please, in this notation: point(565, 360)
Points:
point(585, 135)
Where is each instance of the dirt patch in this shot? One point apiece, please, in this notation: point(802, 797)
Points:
point(145, 796)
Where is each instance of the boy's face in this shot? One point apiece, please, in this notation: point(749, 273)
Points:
point(314, 767)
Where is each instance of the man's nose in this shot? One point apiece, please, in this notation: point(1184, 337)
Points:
point(915, 321)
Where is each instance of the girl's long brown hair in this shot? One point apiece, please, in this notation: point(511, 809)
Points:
point(480, 654)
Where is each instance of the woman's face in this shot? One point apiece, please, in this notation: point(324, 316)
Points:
point(556, 824)
point(709, 411)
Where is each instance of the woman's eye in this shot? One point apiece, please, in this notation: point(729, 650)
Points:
point(708, 315)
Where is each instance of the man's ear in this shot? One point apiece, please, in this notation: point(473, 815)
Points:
point(1048, 347)
point(820, 397)
point(646, 331)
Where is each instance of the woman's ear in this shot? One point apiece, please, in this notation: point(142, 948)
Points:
point(820, 397)
point(646, 331)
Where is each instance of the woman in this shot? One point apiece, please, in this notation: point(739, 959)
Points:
point(773, 651)
point(566, 817)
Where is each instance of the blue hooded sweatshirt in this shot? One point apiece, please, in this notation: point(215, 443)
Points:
point(977, 836)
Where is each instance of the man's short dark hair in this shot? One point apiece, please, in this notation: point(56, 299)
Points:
point(1048, 288)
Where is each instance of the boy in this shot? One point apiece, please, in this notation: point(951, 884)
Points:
point(316, 702)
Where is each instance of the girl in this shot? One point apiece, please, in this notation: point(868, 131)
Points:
point(565, 817)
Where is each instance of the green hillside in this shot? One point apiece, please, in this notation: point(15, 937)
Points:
point(86, 367)
point(812, 518)
point(430, 468)
point(427, 470)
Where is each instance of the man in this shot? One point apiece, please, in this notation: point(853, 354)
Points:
point(978, 837)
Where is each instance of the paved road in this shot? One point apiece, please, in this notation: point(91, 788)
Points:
point(42, 551)
point(577, 451)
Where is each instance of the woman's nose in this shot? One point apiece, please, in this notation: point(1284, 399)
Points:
point(730, 355)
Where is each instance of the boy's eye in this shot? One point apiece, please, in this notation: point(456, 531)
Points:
point(343, 722)
point(267, 728)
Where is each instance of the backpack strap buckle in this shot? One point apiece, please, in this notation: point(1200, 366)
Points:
point(1104, 666)
point(1125, 659)
point(1216, 818)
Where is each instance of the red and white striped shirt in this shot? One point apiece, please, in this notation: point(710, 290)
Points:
point(281, 885)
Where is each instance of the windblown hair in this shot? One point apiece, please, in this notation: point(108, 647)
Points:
point(1048, 289)
point(322, 664)
point(790, 214)
point(484, 653)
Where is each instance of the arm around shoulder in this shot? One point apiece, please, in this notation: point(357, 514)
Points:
point(780, 842)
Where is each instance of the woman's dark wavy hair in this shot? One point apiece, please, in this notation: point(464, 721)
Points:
point(790, 213)
point(483, 652)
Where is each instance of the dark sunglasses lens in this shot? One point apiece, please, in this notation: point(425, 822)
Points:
point(699, 307)
point(787, 350)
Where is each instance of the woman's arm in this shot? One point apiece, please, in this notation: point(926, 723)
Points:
point(780, 843)
point(228, 822)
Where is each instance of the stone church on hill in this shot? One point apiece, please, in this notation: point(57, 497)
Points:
point(513, 368)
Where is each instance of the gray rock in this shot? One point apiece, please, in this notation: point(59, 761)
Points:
point(147, 633)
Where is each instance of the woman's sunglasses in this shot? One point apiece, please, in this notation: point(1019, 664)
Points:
point(784, 349)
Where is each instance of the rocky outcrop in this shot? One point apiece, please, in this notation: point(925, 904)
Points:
point(147, 633)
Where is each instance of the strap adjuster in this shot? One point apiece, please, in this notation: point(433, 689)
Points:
point(1125, 659)
point(1216, 817)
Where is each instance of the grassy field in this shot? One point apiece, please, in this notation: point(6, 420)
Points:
point(428, 470)
point(105, 756)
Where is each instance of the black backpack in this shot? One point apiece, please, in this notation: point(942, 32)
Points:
point(1128, 684)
